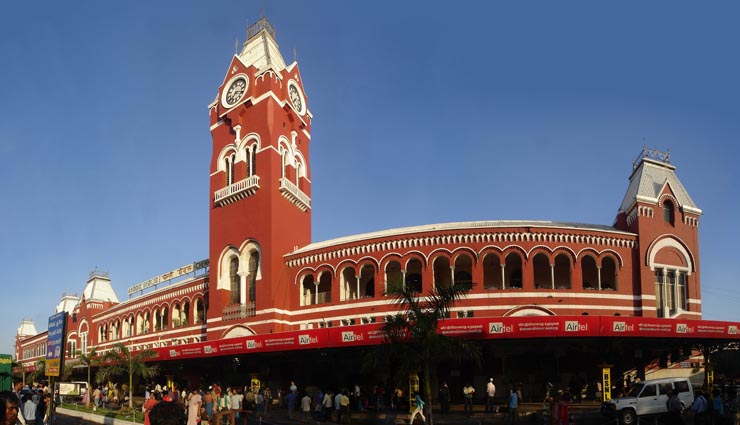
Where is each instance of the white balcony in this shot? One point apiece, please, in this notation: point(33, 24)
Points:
point(294, 195)
point(237, 191)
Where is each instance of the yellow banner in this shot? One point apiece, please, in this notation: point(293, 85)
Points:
point(606, 382)
point(52, 367)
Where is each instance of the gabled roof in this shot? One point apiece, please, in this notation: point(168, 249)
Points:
point(648, 181)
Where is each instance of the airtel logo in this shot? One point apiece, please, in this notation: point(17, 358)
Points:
point(732, 330)
point(307, 339)
point(350, 337)
point(499, 328)
point(252, 344)
point(683, 328)
point(575, 326)
point(622, 327)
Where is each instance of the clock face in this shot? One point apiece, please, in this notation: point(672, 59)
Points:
point(234, 91)
point(296, 97)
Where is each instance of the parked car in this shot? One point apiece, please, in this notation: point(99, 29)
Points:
point(648, 398)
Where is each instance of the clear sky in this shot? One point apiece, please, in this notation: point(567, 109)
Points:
point(424, 112)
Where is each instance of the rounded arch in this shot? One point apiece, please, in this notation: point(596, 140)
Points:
point(246, 143)
point(237, 331)
point(508, 249)
point(347, 262)
point(529, 310)
point(416, 255)
point(368, 259)
point(669, 241)
point(227, 253)
point(586, 251)
point(615, 254)
point(226, 152)
point(562, 249)
point(385, 259)
point(537, 249)
point(462, 250)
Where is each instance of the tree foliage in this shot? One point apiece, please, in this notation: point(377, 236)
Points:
point(120, 361)
point(413, 340)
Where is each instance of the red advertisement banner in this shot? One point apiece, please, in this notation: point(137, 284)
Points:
point(469, 328)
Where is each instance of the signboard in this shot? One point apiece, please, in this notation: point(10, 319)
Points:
point(6, 372)
point(56, 339)
point(294, 340)
point(672, 328)
point(606, 383)
point(521, 327)
point(174, 274)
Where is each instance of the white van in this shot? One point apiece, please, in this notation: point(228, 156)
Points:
point(649, 398)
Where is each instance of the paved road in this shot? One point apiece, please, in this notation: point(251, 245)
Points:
point(583, 414)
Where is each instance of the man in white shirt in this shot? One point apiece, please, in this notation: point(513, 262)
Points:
point(490, 393)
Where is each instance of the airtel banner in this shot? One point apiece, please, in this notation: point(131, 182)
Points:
point(468, 328)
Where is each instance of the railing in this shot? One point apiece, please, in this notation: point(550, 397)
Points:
point(294, 194)
point(238, 190)
point(239, 311)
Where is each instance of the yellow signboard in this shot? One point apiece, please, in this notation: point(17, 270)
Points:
point(606, 383)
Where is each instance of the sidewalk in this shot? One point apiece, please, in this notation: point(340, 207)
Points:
point(584, 414)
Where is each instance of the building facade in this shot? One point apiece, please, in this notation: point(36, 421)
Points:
point(265, 277)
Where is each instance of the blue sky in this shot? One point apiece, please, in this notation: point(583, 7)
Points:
point(424, 112)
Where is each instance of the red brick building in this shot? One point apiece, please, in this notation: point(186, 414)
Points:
point(265, 277)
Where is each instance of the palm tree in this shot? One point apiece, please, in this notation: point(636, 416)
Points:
point(89, 360)
point(414, 343)
point(39, 372)
point(122, 361)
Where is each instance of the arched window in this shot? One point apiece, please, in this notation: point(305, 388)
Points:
point(542, 272)
point(254, 261)
point(589, 272)
point(308, 288)
point(609, 274)
point(349, 285)
point(393, 275)
point(413, 275)
point(513, 271)
point(561, 272)
point(234, 280)
point(229, 168)
point(668, 212)
point(324, 289)
point(442, 272)
point(492, 278)
point(464, 271)
point(367, 281)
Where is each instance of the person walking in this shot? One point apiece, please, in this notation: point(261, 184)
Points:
point(444, 398)
point(512, 404)
point(675, 409)
point(419, 410)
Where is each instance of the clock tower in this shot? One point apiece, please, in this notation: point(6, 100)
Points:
point(260, 191)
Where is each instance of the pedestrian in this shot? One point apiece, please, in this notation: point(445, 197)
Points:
point(490, 393)
point(468, 393)
point(699, 408)
point(733, 405)
point(718, 407)
point(418, 410)
point(149, 404)
point(512, 404)
point(9, 406)
point(194, 404)
point(444, 398)
point(290, 400)
point(167, 413)
point(29, 409)
point(675, 409)
point(306, 405)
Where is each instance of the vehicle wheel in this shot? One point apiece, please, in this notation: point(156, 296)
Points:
point(628, 417)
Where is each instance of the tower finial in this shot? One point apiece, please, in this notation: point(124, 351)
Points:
point(295, 55)
point(236, 44)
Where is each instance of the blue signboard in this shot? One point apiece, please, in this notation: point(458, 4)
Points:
point(55, 343)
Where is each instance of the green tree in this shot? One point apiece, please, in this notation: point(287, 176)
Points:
point(92, 358)
point(413, 341)
point(39, 372)
point(122, 361)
